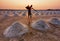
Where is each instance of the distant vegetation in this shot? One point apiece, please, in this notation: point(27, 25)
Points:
point(53, 9)
point(19, 9)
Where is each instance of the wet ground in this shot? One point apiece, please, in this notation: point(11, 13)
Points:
point(53, 34)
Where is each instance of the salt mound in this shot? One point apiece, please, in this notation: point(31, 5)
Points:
point(55, 21)
point(15, 30)
point(40, 25)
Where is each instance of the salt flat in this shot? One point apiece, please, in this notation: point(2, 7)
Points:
point(53, 34)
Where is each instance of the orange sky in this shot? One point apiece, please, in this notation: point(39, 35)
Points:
point(37, 4)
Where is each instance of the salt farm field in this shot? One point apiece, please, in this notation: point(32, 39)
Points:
point(8, 17)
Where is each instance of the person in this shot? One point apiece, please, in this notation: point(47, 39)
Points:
point(29, 13)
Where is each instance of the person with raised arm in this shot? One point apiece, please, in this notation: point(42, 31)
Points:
point(29, 13)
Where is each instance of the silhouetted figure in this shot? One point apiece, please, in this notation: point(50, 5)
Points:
point(29, 13)
point(29, 10)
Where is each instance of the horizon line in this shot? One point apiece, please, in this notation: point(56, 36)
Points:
point(26, 9)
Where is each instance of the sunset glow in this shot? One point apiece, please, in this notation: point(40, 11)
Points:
point(37, 4)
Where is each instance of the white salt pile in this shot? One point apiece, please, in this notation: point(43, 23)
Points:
point(55, 21)
point(24, 14)
point(15, 30)
point(40, 25)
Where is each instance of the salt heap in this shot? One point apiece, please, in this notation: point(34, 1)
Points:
point(15, 30)
point(40, 25)
point(55, 21)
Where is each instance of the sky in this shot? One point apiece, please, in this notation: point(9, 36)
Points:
point(37, 4)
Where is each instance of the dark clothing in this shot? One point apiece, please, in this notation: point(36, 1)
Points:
point(29, 10)
point(29, 14)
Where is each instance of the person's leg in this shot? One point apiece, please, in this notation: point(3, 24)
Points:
point(30, 18)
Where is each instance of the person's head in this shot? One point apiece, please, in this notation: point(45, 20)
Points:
point(27, 6)
point(31, 5)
